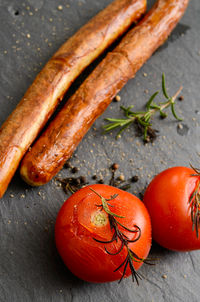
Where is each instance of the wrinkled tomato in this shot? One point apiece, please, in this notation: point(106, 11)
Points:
point(172, 199)
point(85, 234)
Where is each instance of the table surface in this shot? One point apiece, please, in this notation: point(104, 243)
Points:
point(30, 268)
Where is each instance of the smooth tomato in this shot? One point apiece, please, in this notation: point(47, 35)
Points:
point(81, 221)
point(169, 200)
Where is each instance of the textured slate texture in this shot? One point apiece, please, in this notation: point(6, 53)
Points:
point(30, 268)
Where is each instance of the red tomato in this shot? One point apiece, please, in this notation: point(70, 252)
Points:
point(168, 200)
point(81, 221)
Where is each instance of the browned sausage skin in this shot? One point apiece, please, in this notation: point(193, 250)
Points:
point(65, 132)
point(33, 111)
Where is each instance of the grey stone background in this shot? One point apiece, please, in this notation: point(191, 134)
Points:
point(30, 268)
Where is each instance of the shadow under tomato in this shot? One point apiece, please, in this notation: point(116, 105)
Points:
point(158, 252)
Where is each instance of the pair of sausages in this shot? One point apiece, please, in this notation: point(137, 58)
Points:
point(58, 142)
point(65, 132)
point(24, 124)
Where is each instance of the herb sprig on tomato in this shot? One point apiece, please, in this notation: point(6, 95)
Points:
point(124, 239)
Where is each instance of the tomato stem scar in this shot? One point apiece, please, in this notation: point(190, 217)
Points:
point(99, 219)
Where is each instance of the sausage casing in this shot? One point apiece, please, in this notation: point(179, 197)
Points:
point(65, 132)
point(23, 125)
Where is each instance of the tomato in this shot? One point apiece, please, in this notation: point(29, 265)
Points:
point(169, 200)
point(82, 224)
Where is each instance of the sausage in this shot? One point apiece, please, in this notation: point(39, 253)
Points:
point(65, 132)
point(39, 102)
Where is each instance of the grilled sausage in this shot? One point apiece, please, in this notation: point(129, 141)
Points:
point(65, 132)
point(39, 102)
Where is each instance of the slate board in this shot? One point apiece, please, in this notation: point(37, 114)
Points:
point(30, 268)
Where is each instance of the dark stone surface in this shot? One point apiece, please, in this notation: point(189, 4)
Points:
point(30, 268)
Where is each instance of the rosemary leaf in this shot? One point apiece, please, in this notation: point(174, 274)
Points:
point(164, 87)
point(122, 129)
point(174, 113)
point(151, 100)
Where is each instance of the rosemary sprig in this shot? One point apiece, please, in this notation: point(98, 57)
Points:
point(118, 234)
point(194, 201)
point(195, 210)
point(143, 118)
